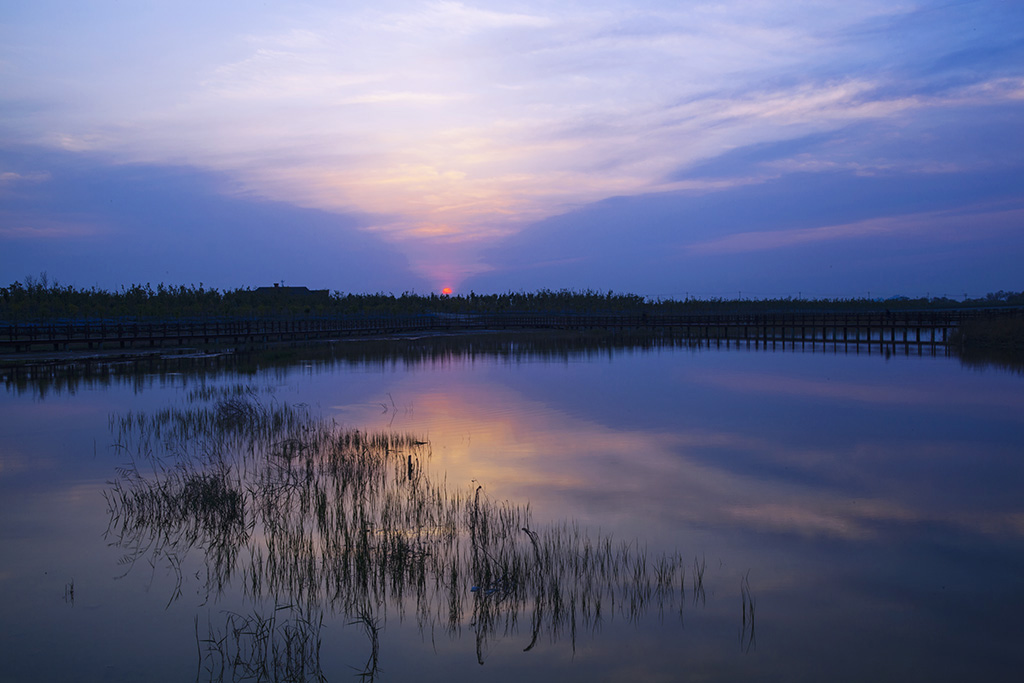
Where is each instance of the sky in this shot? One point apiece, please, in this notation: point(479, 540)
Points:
point(756, 148)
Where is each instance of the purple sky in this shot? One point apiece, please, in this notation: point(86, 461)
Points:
point(758, 149)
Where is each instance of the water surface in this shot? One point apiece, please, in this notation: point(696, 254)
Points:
point(866, 505)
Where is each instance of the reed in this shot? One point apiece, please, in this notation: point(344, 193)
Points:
point(748, 637)
point(283, 645)
point(371, 627)
point(289, 506)
point(698, 581)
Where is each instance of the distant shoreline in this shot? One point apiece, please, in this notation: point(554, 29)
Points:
point(44, 301)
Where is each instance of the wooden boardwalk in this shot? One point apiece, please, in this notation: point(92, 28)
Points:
point(932, 328)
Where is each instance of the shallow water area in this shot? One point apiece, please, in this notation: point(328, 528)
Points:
point(770, 515)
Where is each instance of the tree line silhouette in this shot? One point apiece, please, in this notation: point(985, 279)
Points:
point(42, 299)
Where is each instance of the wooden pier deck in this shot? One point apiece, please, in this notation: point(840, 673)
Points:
point(927, 328)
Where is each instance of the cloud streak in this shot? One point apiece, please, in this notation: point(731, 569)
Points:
point(944, 226)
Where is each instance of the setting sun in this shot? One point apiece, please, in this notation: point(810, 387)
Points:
point(446, 291)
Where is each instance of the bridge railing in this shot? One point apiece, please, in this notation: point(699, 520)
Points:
point(906, 326)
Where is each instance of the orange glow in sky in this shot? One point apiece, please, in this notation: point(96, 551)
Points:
point(446, 291)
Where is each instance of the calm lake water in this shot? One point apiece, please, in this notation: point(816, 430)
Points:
point(706, 514)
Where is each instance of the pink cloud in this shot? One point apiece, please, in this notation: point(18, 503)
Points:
point(965, 224)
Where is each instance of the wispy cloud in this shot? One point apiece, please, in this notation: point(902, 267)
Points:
point(945, 226)
point(10, 179)
point(22, 229)
point(459, 17)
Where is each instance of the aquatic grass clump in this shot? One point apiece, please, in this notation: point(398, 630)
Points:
point(748, 637)
point(293, 508)
point(190, 509)
point(262, 648)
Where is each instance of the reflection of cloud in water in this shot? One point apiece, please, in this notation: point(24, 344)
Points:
point(703, 478)
point(887, 393)
point(850, 520)
point(14, 463)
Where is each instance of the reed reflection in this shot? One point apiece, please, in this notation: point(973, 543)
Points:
point(298, 513)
